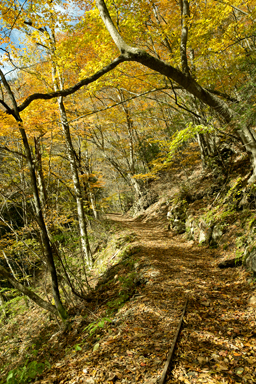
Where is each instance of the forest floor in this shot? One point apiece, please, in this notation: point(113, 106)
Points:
point(217, 343)
point(124, 332)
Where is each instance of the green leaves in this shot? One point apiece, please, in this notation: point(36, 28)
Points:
point(183, 136)
point(92, 328)
point(26, 373)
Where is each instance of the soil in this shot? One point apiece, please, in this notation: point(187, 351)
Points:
point(217, 341)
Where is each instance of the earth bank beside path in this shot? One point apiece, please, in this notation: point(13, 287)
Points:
point(217, 341)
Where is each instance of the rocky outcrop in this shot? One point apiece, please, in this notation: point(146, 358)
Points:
point(250, 261)
point(145, 201)
point(205, 233)
point(231, 263)
point(248, 200)
point(215, 226)
point(217, 233)
point(177, 217)
point(191, 227)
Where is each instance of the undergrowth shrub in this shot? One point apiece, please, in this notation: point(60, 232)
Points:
point(25, 374)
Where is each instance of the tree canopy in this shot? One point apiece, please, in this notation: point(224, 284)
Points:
point(98, 96)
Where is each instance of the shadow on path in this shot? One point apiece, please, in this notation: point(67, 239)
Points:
point(218, 339)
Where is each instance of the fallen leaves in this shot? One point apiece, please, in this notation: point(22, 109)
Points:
point(217, 343)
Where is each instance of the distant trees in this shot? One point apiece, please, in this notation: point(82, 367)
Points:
point(178, 63)
point(183, 77)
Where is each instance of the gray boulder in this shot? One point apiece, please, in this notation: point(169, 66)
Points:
point(217, 233)
point(190, 227)
point(250, 261)
point(177, 217)
point(205, 233)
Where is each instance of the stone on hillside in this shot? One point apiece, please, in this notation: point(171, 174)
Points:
point(190, 227)
point(231, 263)
point(243, 203)
point(216, 233)
point(250, 261)
point(177, 217)
point(247, 198)
point(205, 234)
point(145, 201)
point(178, 226)
point(148, 199)
point(252, 301)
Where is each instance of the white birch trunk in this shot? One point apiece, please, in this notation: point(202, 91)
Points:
point(77, 187)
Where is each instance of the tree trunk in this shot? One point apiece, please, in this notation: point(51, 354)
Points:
point(90, 193)
point(33, 296)
point(77, 187)
point(248, 137)
point(2, 305)
point(39, 215)
point(139, 190)
point(9, 265)
point(85, 246)
point(43, 231)
point(40, 177)
point(184, 79)
point(207, 147)
point(93, 204)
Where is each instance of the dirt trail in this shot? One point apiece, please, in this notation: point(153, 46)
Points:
point(217, 343)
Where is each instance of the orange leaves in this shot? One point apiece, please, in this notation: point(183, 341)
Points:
point(8, 125)
point(215, 35)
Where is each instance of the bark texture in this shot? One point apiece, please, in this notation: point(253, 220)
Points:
point(38, 209)
point(77, 187)
point(183, 78)
point(33, 296)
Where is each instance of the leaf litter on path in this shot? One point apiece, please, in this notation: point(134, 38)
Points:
point(217, 341)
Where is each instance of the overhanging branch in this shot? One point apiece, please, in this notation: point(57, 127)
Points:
point(76, 87)
point(154, 63)
point(119, 103)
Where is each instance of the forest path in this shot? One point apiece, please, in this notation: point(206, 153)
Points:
point(217, 343)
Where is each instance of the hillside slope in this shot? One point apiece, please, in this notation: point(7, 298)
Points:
point(217, 343)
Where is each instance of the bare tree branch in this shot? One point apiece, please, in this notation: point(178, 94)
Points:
point(230, 5)
point(224, 95)
point(186, 81)
point(76, 87)
point(119, 103)
point(184, 8)
point(11, 151)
